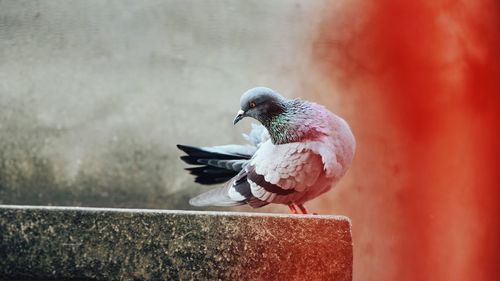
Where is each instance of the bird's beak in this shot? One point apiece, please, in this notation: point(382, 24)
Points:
point(239, 116)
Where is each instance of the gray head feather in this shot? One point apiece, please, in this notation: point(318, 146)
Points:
point(261, 104)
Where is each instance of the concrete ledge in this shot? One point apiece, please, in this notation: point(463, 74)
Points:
point(125, 244)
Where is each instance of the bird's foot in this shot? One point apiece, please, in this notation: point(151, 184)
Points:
point(293, 209)
point(302, 209)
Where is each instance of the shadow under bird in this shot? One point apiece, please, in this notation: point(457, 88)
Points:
point(300, 151)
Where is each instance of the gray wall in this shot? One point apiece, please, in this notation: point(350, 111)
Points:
point(94, 95)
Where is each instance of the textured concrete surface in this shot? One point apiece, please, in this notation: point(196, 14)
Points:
point(94, 95)
point(127, 244)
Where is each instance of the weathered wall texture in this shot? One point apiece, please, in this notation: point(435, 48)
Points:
point(94, 95)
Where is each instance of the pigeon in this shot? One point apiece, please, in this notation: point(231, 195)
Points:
point(300, 151)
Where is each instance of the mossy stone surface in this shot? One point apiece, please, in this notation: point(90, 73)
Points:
point(133, 244)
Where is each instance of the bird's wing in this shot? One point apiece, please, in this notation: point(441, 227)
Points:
point(236, 192)
point(274, 170)
point(282, 169)
point(218, 164)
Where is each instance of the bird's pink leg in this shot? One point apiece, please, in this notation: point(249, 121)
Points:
point(302, 208)
point(292, 208)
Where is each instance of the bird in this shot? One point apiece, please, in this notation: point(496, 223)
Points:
point(299, 151)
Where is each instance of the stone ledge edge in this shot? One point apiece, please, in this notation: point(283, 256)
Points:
point(174, 212)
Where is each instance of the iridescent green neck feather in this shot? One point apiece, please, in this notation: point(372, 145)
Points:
point(287, 126)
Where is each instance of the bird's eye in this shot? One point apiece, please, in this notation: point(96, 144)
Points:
point(252, 104)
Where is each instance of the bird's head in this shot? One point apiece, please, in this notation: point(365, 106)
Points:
point(260, 103)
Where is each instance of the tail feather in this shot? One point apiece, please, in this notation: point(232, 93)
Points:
point(211, 175)
point(215, 197)
point(217, 152)
point(191, 160)
point(217, 164)
point(196, 171)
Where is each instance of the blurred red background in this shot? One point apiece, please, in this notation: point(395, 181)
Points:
point(424, 80)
